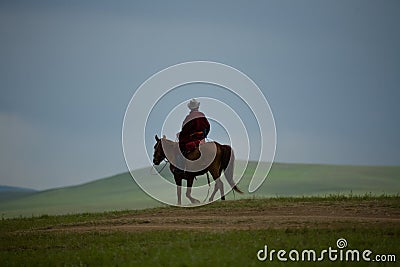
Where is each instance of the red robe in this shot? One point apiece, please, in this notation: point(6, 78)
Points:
point(195, 128)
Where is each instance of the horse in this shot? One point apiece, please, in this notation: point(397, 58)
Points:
point(224, 160)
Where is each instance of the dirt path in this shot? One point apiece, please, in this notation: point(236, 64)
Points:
point(335, 214)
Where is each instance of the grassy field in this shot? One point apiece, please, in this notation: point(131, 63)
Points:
point(226, 233)
point(120, 192)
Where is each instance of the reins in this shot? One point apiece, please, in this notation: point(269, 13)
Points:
point(158, 171)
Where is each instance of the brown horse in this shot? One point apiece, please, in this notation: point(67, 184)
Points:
point(224, 160)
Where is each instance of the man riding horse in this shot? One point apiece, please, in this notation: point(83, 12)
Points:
point(195, 129)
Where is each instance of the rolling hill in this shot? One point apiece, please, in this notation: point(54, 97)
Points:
point(11, 192)
point(120, 192)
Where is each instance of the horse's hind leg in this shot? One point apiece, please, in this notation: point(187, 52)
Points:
point(218, 185)
point(189, 191)
point(221, 189)
point(213, 193)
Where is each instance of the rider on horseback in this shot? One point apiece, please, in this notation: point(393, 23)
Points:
point(195, 129)
point(211, 157)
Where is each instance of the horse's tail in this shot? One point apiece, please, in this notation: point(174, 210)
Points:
point(228, 164)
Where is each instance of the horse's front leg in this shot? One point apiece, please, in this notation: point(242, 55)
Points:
point(189, 191)
point(178, 181)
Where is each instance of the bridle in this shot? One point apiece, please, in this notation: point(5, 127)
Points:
point(163, 167)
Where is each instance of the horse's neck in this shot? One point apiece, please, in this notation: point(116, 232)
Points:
point(168, 144)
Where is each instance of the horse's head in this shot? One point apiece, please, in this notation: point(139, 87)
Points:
point(159, 154)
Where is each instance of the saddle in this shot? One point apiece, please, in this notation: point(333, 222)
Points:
point(197, 138)
point(190, 146)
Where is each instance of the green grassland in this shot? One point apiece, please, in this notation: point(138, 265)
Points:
point(25, 241)
point(33, 240)
point(120, 192)
point(183, 248)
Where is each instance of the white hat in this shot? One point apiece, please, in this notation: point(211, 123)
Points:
point(193, 104)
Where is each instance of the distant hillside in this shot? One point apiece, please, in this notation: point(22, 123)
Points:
point(318, 179)
point(119, 192)
point(12, 192)
point(5, 188)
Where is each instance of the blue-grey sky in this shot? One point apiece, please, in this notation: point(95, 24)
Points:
point(329, 69)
